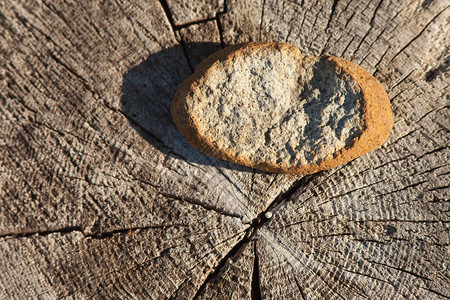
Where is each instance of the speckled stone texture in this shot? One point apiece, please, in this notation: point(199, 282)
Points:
point(263, 106)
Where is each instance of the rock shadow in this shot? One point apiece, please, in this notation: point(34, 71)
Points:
point(147, 92)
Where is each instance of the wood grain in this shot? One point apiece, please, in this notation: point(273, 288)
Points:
point(101, 197)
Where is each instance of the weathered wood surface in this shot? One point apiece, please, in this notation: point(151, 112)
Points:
point(101, 197)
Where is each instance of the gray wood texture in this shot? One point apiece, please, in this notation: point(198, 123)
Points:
point(101, 196)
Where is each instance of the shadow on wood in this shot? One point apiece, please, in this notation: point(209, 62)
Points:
point(147, 92)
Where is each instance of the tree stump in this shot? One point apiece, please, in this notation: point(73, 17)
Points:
point(101, 196)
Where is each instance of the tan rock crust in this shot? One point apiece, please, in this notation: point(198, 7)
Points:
point(264, 106)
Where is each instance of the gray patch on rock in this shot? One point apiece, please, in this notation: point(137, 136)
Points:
point(263, 106)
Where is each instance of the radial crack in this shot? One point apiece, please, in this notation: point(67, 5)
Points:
point(419, 34)
point(71, 229)
point(261, 22)
point(204, 205)
point(235, 251)
point(256, 282)
point(333, 9)
point(296, 186)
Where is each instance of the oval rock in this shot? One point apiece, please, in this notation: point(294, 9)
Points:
point(264, 106)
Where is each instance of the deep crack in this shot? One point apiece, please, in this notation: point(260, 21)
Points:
point(255, 224)
point(86, 233)
point(234, 252)
point(256, 282)
point(299, 184)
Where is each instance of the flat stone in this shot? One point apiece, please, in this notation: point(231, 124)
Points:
point(264, 106)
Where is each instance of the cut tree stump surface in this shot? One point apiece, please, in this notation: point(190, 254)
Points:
point(101, 196)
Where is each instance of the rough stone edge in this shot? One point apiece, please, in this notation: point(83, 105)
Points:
point(376, 110)
point(187, 123)
point(377, 114)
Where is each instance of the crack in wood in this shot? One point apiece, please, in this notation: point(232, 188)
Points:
point(166, 9)
point(348, 45)
point(418, 35)
point(255, 224)
point(174, 295)
point(220, 28)
point(424, 278)
point(300, 289)
point(304, 15)
point(148, 133)
point(295, 187)
point(204, 205)
point(272, 181)
point(219, 24)
point(71, 229)
point(437, 188)
point(377, 38)
point(188, 200)
point(155, 138)
point(333, 235)
point(402, 189)
point(434, 151)
point(370, 29)
point(130, 21)
point(281, 247)
point(233, 183)
point(329, 199)
point(372, 20)
point(400, 221)
point(332, 13)
point(196, 22)
point(256, 281)
point(41, 232)
point(120, 272)
point(380, 60)
point(432, 171)
point(261, 21)
point(234, 252)
point(366, 7)
point(403, 79)
point(349, 20)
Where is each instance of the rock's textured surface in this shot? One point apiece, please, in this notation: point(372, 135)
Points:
point(263, 106)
